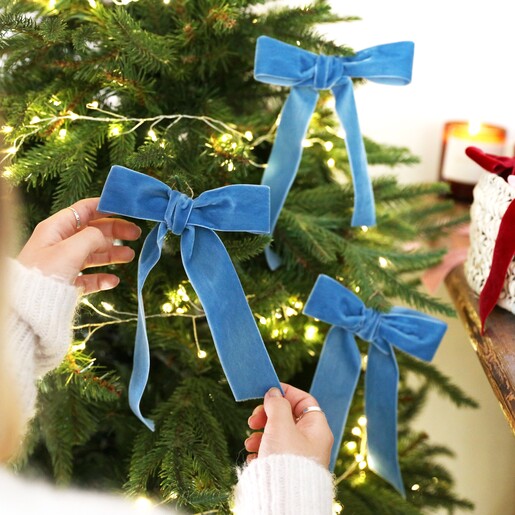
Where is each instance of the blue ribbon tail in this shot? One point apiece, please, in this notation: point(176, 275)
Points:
point(335, 381)
point(286, 153)
point(381, 410)
point(239, 345)
point(364, 206)
point(149, 256)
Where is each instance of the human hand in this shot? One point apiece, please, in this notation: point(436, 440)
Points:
point(58, 248)
point(286, 433)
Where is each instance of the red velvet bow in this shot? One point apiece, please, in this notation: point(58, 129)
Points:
point(504, 249)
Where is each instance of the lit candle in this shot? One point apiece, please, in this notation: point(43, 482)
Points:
point(455, 167)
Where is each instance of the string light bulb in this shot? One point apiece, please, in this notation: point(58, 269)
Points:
point(249, 136)
point(7, 129)
point(62, 133)
point(328, 145)
point(415, 487)
point(152, 135)
point(362, 421)
point(34, 120)
point(201, 354)
point(310, 332)
point(167, 307)
point(331, 163)
point(107, 306)
point(383, 262)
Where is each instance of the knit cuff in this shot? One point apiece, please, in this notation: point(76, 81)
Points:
point(285, 484)
point(47, 305)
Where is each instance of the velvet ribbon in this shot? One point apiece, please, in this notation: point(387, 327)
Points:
point(339, 367)
point(504, 249)
point(238, 342)
point(285, 65)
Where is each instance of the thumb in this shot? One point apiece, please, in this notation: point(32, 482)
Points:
point(278, 411)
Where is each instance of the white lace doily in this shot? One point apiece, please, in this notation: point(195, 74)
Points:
point(492, 196)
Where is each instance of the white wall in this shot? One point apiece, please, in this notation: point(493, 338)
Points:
point(463, 69)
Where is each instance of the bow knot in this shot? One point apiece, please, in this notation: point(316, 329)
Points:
point(178, 212)
point(328, 70)
point(369, 325)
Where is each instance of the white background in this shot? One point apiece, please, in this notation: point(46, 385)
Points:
point(463, 69)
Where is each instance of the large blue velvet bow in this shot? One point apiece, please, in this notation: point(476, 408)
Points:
point(238, 342)
point(285, 65)
point(339, 367)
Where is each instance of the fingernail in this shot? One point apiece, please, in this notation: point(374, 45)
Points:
point(274, 392)
point(139, 230)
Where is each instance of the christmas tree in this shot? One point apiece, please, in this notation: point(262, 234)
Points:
point(166, 87)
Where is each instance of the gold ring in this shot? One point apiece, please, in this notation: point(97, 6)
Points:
point(77, 218)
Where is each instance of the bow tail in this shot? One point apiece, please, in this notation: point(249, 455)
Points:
point(286, 154)
point(503, 253)
point(239, 345)
point(149, 256)
point(364, 207)
point(381, 382)
point(335, 381)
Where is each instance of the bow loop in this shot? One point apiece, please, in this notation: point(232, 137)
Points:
point(177, 212)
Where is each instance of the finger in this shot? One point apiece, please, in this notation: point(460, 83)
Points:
point(253, 442)
point(251, 457)
point(116, 254)
point(118, 229)
point(278, 411)
point(258, 418)
point(78, 247)
point(63, 224)
point(96, 282)
point(299, 399)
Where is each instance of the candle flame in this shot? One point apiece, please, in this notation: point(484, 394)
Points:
point(474, 127)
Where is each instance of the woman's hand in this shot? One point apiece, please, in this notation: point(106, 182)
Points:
point(287, 430)
point(60, 249)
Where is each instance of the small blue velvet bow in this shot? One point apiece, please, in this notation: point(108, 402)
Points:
point(339, 367)
point(238, 342)
point(285, 65)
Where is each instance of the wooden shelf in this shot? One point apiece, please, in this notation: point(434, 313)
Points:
point(496, 348)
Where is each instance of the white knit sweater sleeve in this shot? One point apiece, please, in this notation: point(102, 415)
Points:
point(284, 484)
point(38, 327)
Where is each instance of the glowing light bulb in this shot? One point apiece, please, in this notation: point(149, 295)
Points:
point(166, 2)
point(351, 446)
point(180, 311)
point(298, 42)
point(115, 131)
point(356, 431)
point(51, 4)
point(143, 503)
point(357, 289)
point(6, 129)
point(331, 163)
point(362, 465)
point(152, 135)
point(11, 150)
point(275, 333)
point(249, 136)
point(225, 137)
point(278, 316)
point(182, 293)
point(92, 4)
point(201, 354)
point(7, 173)
point(73, 116)
point(107, 306)
point(92, 105)
point(262, 320)
point(415, 487)
point(290, 312)
point(359, 458)
point(62, 133)
point(383, 262)
point(167, 307)
point(364, 228)
point(362, 421)
point(310, 332)
point(307, 143)
point(328, 145)
point(337, 508)
point(298, 304)
point(34, 120)
point(230, 166)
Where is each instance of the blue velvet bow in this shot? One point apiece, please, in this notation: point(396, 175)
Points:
point(238, 342)
point(285, 65)
point(339, 367)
